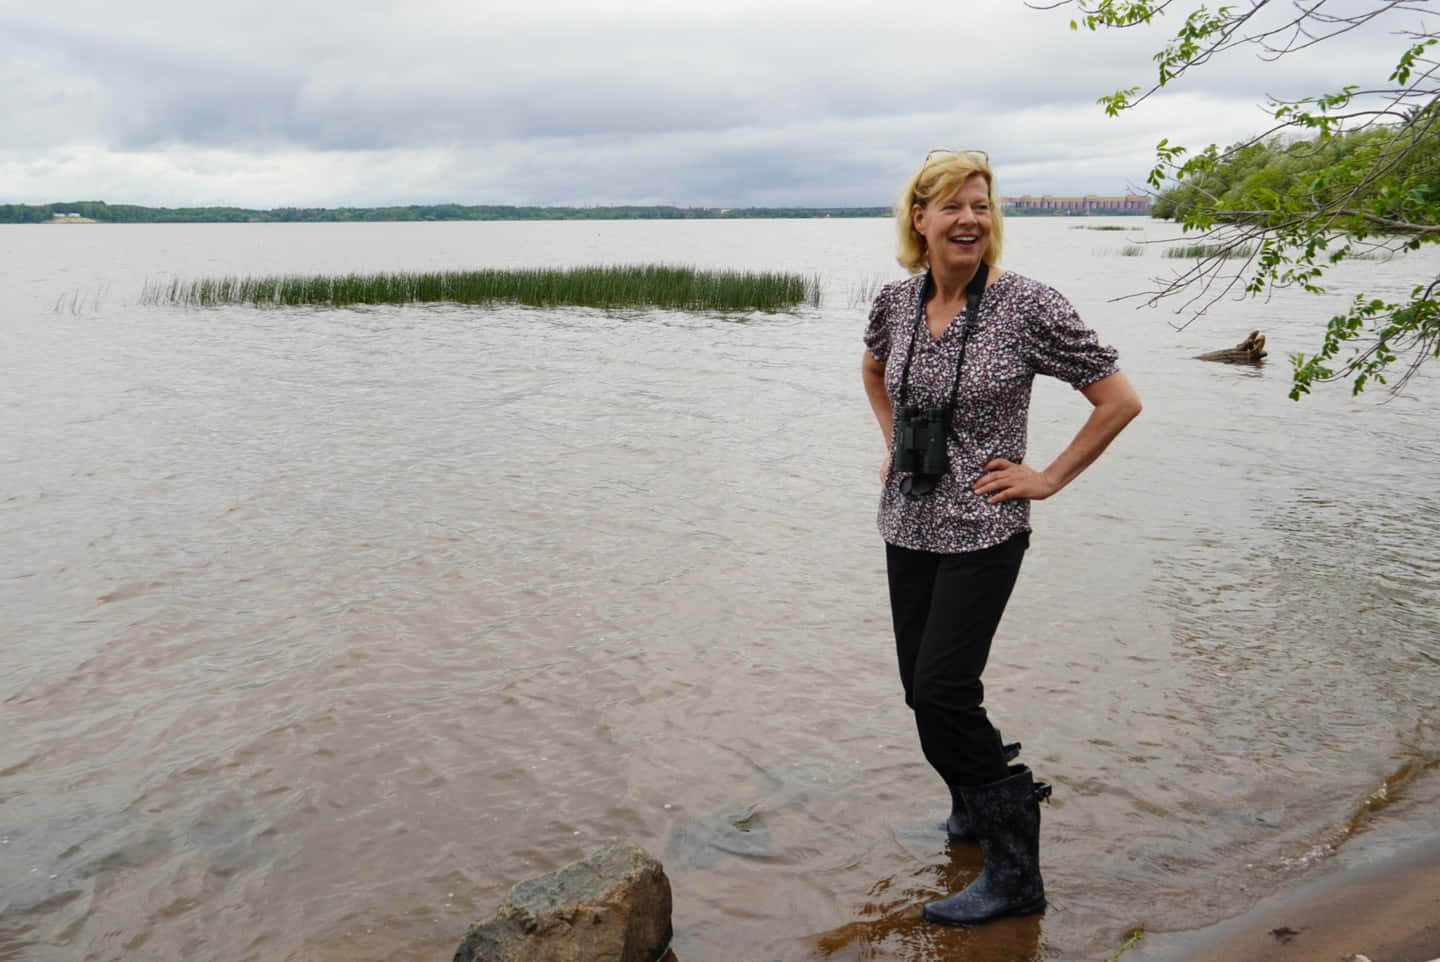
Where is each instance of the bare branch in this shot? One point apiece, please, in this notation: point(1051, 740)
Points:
point(1390, 224)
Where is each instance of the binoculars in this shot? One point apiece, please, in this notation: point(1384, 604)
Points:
point(920, 448)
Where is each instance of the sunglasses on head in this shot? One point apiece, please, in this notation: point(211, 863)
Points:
point(940, 153)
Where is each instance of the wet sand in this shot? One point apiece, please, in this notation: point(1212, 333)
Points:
point(1385, 911)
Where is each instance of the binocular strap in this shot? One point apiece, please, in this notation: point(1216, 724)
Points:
point(919, 485)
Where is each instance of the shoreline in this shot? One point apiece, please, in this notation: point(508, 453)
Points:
point(101, 212)
point(1385, 910)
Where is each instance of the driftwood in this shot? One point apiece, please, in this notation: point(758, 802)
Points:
point(1249, 351)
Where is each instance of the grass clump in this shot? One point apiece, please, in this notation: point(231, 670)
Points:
point(636, 286)
point(1209, 250)
point(1132, 938)
point(863, 294)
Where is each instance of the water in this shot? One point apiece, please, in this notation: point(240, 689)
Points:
point(322, 628)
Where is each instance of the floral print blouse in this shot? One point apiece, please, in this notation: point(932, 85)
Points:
point(1023, 328)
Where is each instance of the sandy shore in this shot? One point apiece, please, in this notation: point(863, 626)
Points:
point(1384, 911)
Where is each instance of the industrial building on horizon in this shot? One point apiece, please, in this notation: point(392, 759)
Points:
point(1081, 204)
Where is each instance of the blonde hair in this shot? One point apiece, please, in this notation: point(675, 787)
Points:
point(939, 178)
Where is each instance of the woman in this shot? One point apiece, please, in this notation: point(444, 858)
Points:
point(952, 353)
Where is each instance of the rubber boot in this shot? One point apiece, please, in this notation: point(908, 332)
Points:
point(957, 826)
point(1006, 818)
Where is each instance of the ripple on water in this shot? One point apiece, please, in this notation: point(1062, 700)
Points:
point(327, 627)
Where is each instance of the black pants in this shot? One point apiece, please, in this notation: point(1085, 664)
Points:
point(946, 608)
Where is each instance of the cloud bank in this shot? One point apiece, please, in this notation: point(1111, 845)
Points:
point(565, 102)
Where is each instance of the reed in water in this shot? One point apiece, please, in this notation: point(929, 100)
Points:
point(636, 286)
point(1189, 251)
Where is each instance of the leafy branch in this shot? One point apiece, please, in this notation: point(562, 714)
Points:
point(1337, 175)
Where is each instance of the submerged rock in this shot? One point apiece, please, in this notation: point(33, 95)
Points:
point(611, 906)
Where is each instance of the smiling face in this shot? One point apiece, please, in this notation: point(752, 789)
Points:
point(956, 228)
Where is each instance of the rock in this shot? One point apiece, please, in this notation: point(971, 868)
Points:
point(1249, 351)
point(611, 906)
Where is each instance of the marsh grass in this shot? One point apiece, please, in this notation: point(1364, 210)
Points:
point(1208, 250)
point(79, 302)
point(863, 293)
point(635, 286)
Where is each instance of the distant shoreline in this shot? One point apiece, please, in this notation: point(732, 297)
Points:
point(100, 212)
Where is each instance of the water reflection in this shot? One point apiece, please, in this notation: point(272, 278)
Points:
point(891, 924)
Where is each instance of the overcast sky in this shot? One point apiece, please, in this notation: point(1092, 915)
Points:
point(731, 103)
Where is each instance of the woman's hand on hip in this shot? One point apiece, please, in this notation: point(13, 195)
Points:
point(885, 470)
point(1005, 480)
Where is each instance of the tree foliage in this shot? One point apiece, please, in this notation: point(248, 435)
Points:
point(1335, 176)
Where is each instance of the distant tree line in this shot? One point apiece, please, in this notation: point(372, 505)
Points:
point(133, 214)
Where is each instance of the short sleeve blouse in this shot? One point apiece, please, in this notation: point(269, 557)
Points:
point(1023, 328)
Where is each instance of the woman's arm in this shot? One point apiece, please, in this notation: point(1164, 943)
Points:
point(872, 372)
point(1116, 405)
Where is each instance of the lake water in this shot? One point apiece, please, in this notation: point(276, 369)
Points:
point(324, 627)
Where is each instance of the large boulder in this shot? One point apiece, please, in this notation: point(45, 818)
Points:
point(611, 906)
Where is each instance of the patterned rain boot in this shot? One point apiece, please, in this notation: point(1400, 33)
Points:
point(958, 826)
point(1006, 819)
